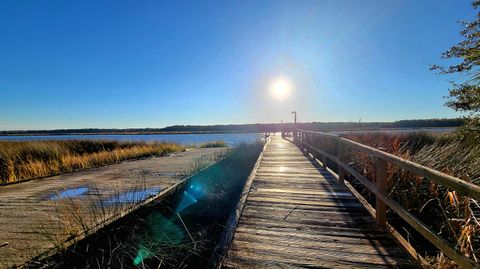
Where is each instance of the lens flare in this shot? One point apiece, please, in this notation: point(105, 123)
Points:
point(190, 196)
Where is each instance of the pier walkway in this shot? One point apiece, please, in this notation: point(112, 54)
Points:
point(298, 215)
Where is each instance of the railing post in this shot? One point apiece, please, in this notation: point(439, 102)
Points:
point(327, 146)
point(324, 162)
point(340, 154)
point(380, 184)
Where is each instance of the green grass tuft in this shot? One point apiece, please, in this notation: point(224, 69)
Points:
point(216, 144)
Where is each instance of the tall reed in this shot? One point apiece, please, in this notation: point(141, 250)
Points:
point(453, 216)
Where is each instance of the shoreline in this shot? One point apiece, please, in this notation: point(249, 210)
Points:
point(221, 132)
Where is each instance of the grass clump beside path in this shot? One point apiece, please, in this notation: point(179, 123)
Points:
point(24, 160)
point(215, 144)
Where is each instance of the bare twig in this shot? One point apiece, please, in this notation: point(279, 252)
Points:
point(186, 229)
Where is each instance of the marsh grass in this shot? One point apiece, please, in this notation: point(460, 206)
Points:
point(21, 161)
point(451, 215)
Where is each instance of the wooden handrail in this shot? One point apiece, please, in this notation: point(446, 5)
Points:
point(456, 184)
point(378, 187)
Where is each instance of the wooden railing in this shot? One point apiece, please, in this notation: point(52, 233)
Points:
point(332, 147)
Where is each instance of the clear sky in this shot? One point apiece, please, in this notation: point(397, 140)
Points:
point(78, 64)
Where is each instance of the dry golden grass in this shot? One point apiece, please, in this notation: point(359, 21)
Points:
point(453, 216)
point(21, 161)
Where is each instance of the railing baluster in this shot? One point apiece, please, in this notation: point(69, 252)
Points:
point(380, 184)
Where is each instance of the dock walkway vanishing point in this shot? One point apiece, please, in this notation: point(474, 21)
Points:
point(297, 215)
point(37, 215)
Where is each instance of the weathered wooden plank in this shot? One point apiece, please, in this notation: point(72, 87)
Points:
point(325, 259)
point(374, 239)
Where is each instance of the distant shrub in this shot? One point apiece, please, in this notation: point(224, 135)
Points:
point(216, 144)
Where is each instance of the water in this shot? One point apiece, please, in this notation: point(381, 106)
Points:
point(232, 139)
point(185, 139)
point(69, 193)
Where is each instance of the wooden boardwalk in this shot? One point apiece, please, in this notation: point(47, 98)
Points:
point(297, 215)
point(38, 215)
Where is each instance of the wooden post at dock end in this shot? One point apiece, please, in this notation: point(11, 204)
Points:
point(326, 147)
point(339, 150)
point(380, 184)
point(324, 161)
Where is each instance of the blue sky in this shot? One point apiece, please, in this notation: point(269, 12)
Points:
point(77, 64)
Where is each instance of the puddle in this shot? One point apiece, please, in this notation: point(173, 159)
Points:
point(133, 196)
point(69, 193)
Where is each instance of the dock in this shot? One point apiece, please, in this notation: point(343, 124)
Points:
point(297, 214)
point(299, 207)
point(38, 217)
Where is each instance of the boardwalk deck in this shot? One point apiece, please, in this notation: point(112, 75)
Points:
point(37, 215)
point(297, 215)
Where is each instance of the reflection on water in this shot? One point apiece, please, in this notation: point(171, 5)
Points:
point(69, 193)
point(133, 196)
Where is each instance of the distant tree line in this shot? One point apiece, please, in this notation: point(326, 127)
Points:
point(252, 128)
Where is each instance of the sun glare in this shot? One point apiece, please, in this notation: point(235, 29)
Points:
point(280, 88)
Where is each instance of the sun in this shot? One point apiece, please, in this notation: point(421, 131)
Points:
point(280, 88)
